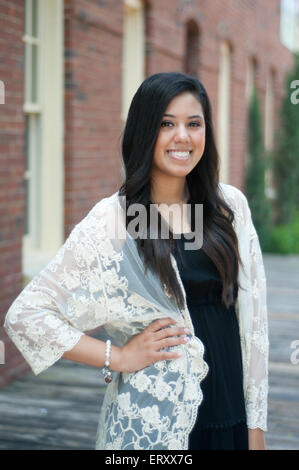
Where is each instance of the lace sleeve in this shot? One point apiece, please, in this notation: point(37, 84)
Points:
point(63, 300)
point(257, 384)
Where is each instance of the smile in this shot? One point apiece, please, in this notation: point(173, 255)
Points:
point(179, 155)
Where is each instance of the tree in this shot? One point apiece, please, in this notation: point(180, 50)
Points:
point(286, 153)
point(255, 172)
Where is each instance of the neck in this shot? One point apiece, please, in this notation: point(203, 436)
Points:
point(169, 191)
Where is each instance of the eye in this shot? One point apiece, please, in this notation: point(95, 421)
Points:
point(195, 124)
point(166, 124)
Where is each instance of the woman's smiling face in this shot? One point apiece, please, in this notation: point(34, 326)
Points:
point(181, 140)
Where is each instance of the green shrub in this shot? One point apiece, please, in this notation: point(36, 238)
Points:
point(284, 239)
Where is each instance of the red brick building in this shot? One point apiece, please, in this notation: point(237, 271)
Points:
point(70, 68)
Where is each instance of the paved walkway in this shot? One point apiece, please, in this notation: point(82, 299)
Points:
point(59, 409)
point(282, 273)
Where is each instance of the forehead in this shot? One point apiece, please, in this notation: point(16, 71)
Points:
point(184, 103)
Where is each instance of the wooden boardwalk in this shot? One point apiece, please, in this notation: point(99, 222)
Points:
point(59, 409)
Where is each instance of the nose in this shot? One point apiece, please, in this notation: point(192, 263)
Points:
point(181, 134)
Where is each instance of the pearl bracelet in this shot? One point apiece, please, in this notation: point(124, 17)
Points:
point(107, 373)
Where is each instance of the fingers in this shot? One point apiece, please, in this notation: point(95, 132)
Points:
point(174, 331)
point(166, 355)
point(165, 343)
point(158, 324)
point(157, 336)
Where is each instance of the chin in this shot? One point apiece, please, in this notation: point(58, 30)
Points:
point(179, 173)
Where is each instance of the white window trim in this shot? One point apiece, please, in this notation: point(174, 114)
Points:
point(133, 64)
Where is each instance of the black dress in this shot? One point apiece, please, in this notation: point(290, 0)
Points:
point(221, 421)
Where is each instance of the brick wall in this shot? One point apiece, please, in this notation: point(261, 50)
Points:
point(12, 166)
point(93, 87)
point(93, 90)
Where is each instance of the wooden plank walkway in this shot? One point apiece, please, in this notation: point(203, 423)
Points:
point(59, 409)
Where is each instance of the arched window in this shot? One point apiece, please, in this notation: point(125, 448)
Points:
point(251, 82)
point(224, 105)
point(251, 78)
point(269, 127)
point(191, 64)
point(269, 110)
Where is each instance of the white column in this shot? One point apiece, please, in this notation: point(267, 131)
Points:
point(224, 113)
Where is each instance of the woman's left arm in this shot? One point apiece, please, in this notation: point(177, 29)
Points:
point(256, 439)
point(257, 365)
point(253, 320)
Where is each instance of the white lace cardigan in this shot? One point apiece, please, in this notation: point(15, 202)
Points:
point(95, 280)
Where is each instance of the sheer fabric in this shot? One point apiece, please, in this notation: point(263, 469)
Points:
point(97, 279)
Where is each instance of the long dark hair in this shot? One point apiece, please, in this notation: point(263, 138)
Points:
point(138, 143)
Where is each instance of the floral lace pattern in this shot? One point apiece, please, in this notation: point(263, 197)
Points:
point(95, 281)
point(253, 316)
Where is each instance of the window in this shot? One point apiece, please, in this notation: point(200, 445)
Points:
point(251, 79)
point(192, 49)
point(224, 99)
point(251, 83)
point(269, 111)
point(269, 128)
point(32, 109)
point(43, 108)
point(289, 24)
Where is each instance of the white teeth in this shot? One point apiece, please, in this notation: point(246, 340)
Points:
point(179, 155)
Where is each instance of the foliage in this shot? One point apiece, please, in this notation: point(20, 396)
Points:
point(284, 239)
point(286, 153)
point(255, 174)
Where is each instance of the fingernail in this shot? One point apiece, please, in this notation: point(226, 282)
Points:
point(187, 330)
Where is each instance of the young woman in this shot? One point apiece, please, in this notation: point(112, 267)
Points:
point(188, 363)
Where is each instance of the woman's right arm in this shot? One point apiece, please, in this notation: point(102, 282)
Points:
point(141, 351)
point(48, 319)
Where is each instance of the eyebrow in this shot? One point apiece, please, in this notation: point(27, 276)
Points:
point(189, 117)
